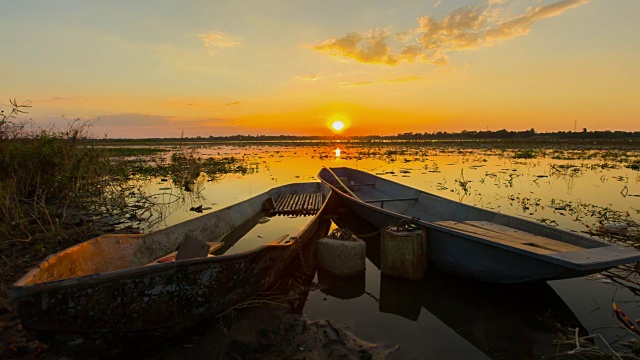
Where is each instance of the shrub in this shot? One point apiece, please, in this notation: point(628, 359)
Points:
point(46, 173)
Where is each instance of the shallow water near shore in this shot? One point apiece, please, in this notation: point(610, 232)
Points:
point(449, 317)
point(443, 316)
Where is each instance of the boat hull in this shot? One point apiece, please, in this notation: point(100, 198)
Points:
point(469, 256)
point(151, 305)
point(122, 308)
point(463, 257)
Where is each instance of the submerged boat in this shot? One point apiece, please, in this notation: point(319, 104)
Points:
point(473, 242)
point(119, 289)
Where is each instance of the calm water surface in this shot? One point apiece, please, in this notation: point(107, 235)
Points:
point(442, 316)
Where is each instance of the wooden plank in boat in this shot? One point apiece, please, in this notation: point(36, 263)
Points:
point(191, 248)
point(298, 204)
point(390, 199)
point(215, 245)
point(546, 242)
point(497, 233)
point(281, 239)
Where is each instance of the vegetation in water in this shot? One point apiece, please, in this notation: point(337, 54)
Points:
point(132, 151)
point(526, 154)
point(635, 165)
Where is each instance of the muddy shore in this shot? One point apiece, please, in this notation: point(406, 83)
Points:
point(260, 332)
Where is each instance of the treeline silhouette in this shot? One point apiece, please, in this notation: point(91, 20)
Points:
point(416, 136)
point(444, 135)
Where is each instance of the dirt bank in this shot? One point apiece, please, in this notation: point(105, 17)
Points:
point(272, 332)
point(261, 332)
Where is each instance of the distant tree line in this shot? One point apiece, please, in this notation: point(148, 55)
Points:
point(444, 135)
point(439, 135)
point(505, 134)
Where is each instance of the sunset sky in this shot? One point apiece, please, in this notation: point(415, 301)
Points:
point(166, 68)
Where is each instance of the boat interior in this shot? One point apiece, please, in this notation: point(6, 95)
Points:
point(510, 236)
point(206, 236)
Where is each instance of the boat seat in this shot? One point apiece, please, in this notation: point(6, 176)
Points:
point(298, 204)
point(213, 246)
point(382, 201)
point(509, 236)
point(284, 239)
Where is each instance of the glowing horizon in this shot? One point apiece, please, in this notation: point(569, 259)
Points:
point(249, 68)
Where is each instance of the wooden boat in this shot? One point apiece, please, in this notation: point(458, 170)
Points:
point(110, 290)
point(473, 242)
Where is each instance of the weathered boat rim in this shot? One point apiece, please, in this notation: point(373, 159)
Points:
point(18, 290)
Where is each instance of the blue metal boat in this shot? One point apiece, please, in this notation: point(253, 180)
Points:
point(473, 242)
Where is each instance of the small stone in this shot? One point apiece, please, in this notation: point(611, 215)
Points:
point(363, 354)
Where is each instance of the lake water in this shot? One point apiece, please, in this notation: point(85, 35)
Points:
point(442, 316)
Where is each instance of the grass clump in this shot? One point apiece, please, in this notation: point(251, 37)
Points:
point(132, 151)
point(187, 168)
point(526, 154)
point(55, 191)
point(46, 173)
point(634, 165)
point(55, 182)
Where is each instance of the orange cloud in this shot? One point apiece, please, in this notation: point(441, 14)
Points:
point(53, 99)
point(309, 77)
point(403, 79)
point(466, 28)
point(480, 26)
point(369, 48)
point(521, 25)
point(215, 40)
point(356, 84)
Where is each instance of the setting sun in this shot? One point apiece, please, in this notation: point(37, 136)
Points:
point(337, 125)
